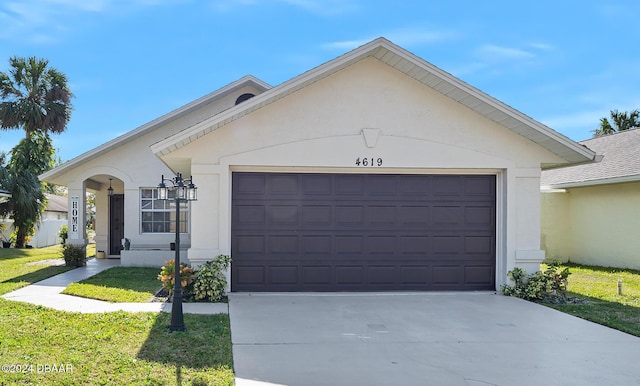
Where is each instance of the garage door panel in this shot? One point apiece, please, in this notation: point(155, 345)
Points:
point(317, 245)
point(349, 185)
point(316, 275)
point(287, 275)
point(382, 244)
point(249, 275)
point(478, 275)
point(349, 245)
point(418, 276)
point(447, 275)
point(316, 184)
point(350, 215)
point(479, 245)
point(341, 232)
point(283, 184)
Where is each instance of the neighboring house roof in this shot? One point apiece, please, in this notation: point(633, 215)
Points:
point(620, 163)
point(412, 66)
point(57, 203)
point(245, 81)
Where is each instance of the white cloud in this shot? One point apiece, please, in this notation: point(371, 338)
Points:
point(42, 21)
point(406, 37)
point(495, 52)
point(319, 7)
point(325, 7)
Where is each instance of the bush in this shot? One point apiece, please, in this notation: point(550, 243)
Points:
point(74, 255)
point(167, 277)
point(541, 286)
point(63, 233)
point(210, 281)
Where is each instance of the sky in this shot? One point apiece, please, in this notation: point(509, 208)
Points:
point(565, 63)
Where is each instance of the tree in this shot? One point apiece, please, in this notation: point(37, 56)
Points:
point(28, 159)
point(35, 98)
point(618, 121)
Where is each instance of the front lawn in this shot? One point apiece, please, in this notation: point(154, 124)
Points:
point(119, 285)
point(597, 288)
point(20, 267)
point(51, 347)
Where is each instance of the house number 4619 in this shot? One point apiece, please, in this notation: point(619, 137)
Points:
point(368, 161)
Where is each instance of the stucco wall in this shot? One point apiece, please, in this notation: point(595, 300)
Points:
point(320, 129)
point(555, 238)
point(133, 166)
point(601, 227)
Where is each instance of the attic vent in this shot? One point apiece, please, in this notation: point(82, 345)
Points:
point(244, 97)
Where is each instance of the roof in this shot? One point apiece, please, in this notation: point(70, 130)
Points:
point(247, 80)
point(57, 203)
point(412, 66)
point(620, 163)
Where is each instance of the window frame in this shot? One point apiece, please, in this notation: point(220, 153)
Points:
point(148, 203)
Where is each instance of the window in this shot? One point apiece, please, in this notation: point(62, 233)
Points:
point(159, 216)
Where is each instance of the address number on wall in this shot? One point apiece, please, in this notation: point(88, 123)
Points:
point(368, 161)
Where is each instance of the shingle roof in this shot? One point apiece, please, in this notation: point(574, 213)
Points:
point(620, 163)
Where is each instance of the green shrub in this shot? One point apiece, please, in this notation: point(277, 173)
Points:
point(74, 255)
point(210, 281)
point(63, 233)
point(541, 286)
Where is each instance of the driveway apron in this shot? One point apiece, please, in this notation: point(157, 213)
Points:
point(421, 339)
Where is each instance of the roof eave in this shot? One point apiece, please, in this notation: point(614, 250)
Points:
point(602, 181)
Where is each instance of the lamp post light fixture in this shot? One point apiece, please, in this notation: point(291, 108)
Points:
point(181, 192)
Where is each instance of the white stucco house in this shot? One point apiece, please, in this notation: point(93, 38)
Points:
point(373, 171)
point(591, 212)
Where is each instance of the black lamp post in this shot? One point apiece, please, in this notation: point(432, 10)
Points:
point(181, 192)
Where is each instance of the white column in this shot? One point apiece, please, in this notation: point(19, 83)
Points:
point(77, 213)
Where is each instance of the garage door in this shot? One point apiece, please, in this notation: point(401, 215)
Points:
point(362, 232)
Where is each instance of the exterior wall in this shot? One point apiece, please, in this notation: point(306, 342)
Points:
point(603, 223)
point(133, 166)
point(555, 238)
point(414, 130)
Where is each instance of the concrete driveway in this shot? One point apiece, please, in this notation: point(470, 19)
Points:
point(421, 339)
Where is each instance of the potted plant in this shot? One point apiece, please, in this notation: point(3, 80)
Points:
point(74, 255)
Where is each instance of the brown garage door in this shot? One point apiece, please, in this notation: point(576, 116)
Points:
point(362, 232)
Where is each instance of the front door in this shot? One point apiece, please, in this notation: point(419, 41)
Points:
point(116, 223)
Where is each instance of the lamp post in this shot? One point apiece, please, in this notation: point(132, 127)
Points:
point(181, 192)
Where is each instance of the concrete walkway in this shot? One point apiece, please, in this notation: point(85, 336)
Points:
point(47, 293)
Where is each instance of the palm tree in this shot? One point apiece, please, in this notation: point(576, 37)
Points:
point(621, 121)
point(35, 98)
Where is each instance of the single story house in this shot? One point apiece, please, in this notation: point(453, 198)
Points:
point(373, 171)
point(591, 212)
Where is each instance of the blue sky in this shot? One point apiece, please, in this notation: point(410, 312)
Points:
point(564, 63)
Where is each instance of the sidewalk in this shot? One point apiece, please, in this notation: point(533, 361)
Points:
point(47, 293)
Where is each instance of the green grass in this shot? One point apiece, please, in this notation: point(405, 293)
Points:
point(103, 349)
point(598, 288)
point(119, 285)
point(19, 267)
